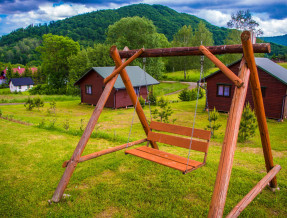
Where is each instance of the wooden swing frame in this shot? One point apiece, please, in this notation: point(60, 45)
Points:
point(248, 73)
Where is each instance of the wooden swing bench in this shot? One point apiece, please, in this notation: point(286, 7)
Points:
point(170, 160)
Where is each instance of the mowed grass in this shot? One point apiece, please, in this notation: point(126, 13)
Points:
point(119, 185)
point(165, 88)
point(284, 64)
point(191, 75)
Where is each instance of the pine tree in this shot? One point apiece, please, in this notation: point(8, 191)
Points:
point(247, 125)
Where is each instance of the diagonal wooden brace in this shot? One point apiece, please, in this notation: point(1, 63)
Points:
point(235, 79)
point(122, 66)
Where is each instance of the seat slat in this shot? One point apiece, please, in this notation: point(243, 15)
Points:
point(178, 141)
point(181, 130)
point(154, 155)
point(179, 159)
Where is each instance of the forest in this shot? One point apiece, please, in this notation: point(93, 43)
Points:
point(18, 47)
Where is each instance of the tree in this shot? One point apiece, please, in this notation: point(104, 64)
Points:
point(27, 72)
point(183, 38)
point(213, 116)
point(135, 33)
point(247, 124)
point(202, 36)
point(165, 111)
point(232, 38)
point(9, 73)
point(54, 54)
point(242, 20)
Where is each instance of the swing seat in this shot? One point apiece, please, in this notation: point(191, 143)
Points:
point(200, 142)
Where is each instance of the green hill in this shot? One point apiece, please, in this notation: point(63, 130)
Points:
point(19, 46)
point(91, 27)
point(280, 40)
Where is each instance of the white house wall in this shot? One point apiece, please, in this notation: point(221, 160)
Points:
point(18, 89)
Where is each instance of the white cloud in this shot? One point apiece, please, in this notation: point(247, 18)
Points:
point(272, 27)
point(214, 17)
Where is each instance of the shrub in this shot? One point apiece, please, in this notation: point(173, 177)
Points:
point(1, 113)
point(38, 102)
point(247, 124)
point(142, 101)
point(52, 108)
point(152, 98)
point(190, 95)
point(29, 104)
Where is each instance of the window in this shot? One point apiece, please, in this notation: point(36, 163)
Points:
point(88, 89)
point(137, 90)
point(19, 87)
point(224, 90)
point(263, 91)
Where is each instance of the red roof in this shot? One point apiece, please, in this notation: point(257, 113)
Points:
point(21, 70)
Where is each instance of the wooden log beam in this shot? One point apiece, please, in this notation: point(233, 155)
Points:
point(227, 72)
point(130, 90)
point(83, 141)
point(186, 51)
point(106, 151)
point(120, 68)
point(229, 145)
point(254, 192)
point(258, 103)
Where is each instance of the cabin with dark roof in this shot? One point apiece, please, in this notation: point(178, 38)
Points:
point(20, 84)
point(92, 86)
point(273, 81)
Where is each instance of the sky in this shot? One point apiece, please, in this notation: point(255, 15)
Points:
point(270, 14)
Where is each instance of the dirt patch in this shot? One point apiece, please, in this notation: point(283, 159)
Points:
point(110, 212)
point(16, 121)
point(277, 154)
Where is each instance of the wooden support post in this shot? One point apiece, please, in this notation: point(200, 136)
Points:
point(83, 141)
point(187, 51)
point(258, 102)
point(120, 68)
point(130, 89)
point(227, 72)
point(106, 151)
point(229, 145)
point(254, 192)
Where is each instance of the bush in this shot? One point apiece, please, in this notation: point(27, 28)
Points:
point(45, 89)
point(247, 124)
point(29, 104)
point(142, 101)
point(190, 95)
point(1, 113)
point(38, 102)
point(152, 98)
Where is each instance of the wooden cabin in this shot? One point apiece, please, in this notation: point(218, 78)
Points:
point(92, 86)
point(273, 80)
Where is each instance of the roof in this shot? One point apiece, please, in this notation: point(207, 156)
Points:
point(25, 81)
point(21, 70)
point(137, 76)
point(266, 65)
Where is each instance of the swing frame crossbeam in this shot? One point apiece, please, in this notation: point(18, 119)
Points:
point(248, 73)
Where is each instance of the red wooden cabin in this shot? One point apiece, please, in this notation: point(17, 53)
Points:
point(273, 80)
point(92, 86)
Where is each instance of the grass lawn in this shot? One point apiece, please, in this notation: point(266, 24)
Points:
point(119, 185)
point(191, 75)
point(283, 64)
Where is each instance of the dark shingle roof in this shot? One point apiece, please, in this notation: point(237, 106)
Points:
point(25, 81)
point(136, 75)
point(268, 66)
point(272, 68)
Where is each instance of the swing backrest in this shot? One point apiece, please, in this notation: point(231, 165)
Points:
point(200, 140)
